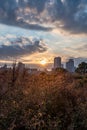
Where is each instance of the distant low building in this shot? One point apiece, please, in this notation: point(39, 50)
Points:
point(4, 66)
point(70, 65)
point(62, 65)
point(33, 70)
point(21, 66)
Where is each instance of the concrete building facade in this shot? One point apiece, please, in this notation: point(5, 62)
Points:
point(70, 65)
point(57, 62)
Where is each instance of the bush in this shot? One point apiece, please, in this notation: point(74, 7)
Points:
point(43, 102)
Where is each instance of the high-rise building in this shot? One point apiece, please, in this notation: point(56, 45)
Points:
point(70, 65)
point(57, 62)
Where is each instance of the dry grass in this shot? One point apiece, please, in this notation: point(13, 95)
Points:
point(56, 101)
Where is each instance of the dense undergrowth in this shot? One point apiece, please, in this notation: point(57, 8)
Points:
point(55, 101)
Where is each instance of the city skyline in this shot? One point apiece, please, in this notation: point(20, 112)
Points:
point(37, 31)
point(57, 63)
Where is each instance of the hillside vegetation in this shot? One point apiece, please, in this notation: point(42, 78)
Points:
point(55, 101)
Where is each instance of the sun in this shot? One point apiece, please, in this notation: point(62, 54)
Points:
point(43, 62)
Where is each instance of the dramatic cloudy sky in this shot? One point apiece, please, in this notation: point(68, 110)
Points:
point(34, 30)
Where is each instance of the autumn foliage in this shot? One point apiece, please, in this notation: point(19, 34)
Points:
point(43, 101)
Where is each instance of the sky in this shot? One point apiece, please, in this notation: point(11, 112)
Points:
point(32, 31)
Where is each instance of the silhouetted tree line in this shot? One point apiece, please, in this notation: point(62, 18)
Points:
point(82, 68)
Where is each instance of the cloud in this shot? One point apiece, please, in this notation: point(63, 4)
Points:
point(38, 4)
point(32, 26)
point(7, 9)
point(15, 13)
point(82, 48)
point(68, 15)
point(21, 47)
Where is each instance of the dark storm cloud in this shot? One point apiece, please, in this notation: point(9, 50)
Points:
point(21, 47)
point(10, 8)
point(7, 9)
point(70, 15)
point(38, 4)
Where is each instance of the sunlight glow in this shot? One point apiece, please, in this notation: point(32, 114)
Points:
point(43, 62)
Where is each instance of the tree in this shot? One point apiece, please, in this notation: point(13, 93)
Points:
point(82, 68)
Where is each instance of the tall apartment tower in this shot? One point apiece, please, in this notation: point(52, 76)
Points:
point(70, 65)
point(57, 62)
